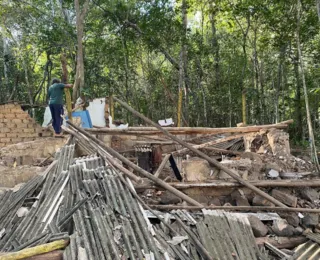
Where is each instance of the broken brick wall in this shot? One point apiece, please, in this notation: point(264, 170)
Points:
point(17, 126)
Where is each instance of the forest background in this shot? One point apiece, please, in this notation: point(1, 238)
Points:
point(227, 61)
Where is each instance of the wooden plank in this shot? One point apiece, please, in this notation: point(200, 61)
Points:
point(282, 242)
point(187, 130)
point(237, 208)
point(285, 198)
point(234, 184)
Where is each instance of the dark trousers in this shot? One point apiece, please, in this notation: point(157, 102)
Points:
point(56, 112)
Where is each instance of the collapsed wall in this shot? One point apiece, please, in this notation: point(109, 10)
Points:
point(17, 126)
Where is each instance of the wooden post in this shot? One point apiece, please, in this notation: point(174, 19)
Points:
point(146, 174)
point(204, 156)
point(37, 250)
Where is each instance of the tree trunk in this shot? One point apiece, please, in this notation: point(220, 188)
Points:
point(215, 45)
point(184, 59)
point(279, 82)
point(80, 16)
point(298, 112)
point(311, 135)
point(318, 8)
point(244, 48)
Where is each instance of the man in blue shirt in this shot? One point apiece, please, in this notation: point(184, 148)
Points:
point(56, 104)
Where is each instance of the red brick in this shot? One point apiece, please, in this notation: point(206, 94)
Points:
point(16, 130)
point(9, 116)
point(16, 140)
point(4, 130)
point(12, 135)
point(2, 135)
point(16, 121)
point(28, 130)
point(22, 125)
point(22, 116)
point(5, 140)
point(9, 106)
point(11, 125)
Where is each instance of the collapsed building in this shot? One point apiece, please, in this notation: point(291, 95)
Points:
point(137, 193)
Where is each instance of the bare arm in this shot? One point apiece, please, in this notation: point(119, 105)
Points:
point(68, 85)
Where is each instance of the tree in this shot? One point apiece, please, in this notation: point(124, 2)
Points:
point(80, 16)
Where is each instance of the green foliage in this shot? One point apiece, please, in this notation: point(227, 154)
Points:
point(132, 49)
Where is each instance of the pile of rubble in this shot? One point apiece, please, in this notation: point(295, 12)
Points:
point(105, 206)
point(90, 203)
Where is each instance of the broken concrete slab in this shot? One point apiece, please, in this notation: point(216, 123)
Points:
point(196, 169)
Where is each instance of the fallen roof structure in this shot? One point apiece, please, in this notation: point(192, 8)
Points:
point(92, 203)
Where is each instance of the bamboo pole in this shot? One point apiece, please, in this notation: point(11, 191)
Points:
point(204, 156)
point(187, 130)
point(233, 184)
point(146, 174)
point(236, 208)
point(37, 250)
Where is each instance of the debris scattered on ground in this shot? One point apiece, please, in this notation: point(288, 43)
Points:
point(102, 200)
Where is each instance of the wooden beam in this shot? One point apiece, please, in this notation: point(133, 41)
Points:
point(236, 208)
point(202, 155)
point(285, 198)
point(282, 242)
point(55, 255)
point(161, 166)
point(217, 184)
point(222, 151)
point(187, 130)
point(37, 250)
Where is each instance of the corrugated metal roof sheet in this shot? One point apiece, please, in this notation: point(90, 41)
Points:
point(227, 236)
point(111, 224)
point(307, 251)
